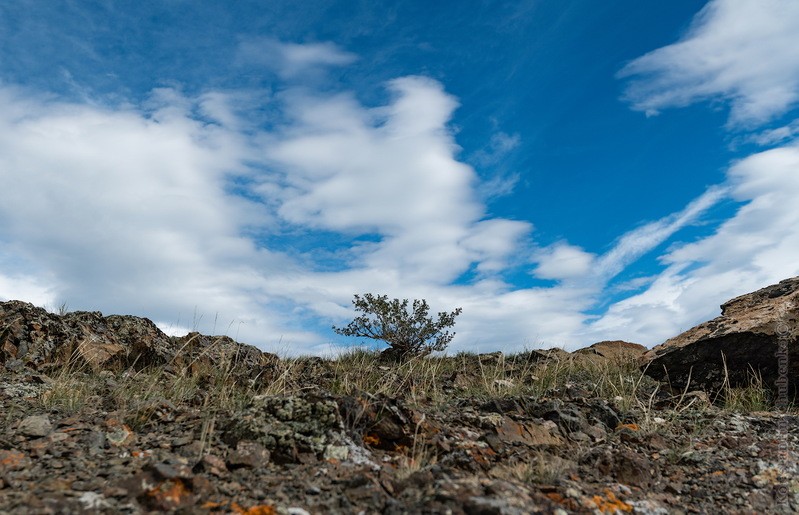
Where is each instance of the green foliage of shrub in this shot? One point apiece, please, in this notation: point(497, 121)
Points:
point(408, 330)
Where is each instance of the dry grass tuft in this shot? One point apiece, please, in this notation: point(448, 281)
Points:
point(430, 381)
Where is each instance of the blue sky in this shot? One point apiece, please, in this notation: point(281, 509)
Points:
point(565, 172)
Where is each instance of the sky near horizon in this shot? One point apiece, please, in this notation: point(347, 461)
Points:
point(566, 172)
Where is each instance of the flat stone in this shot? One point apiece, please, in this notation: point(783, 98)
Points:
point(248, 454)
point(35, 426)
point(510, 431)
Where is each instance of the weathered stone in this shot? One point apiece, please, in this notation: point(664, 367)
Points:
point(535, 355)
point(385, 423)
point(288, 426)
point(36, 426)
point(577, 416)
point(757, 333)
point(173, 467)
point(118, 434)
point(42, 339)
point(33, 337)
point(510, 431)
point(336, 452)
point(634, 469)
point(248, 454)
point(617, 350)
point(200, 354)
point(13, 460)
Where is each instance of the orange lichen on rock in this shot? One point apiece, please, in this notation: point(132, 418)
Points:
point(631, 427)
point(611, 504)
point(400, 448)
point(12, 460)
point(263, 509)
point(119, 434)
point(371, 439)
point(482, 456)
point(170, 493)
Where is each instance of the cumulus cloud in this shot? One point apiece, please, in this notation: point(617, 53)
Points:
point(492, 242)
point(392, 171)
point(183, 205)
point(563, 261)
point(742, 53)
point(125, 210)
point(349, 168)
point(138, 209)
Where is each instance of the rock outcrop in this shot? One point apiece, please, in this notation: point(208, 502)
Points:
point(755, 336)
point(109, 415)
point(34, 338)
point(614, 349)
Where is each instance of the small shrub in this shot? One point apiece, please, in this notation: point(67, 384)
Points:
point(408, 332)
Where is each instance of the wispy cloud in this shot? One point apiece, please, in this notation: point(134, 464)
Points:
point(776, 136)
point(642, 240)
point(500, 180)
point(563, 261)
point(756, 247)
point(742, 53)
point(293, 60)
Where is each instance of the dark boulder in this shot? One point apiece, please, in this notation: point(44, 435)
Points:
point(755, 336)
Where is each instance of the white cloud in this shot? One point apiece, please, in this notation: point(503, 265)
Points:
point(563, 261)
point(499, 147)
point(392, 171)
point(642, 240)
point(293, 60)
point(756, 247)
point(740, 52)
point(349, 168)
point(500, 180)
point(492, 242)
point(134, 209)
point(29, 288)
point(126, 211)
point(130, 210)
point(776, 136)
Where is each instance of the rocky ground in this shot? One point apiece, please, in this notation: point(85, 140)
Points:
point(108, 415)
